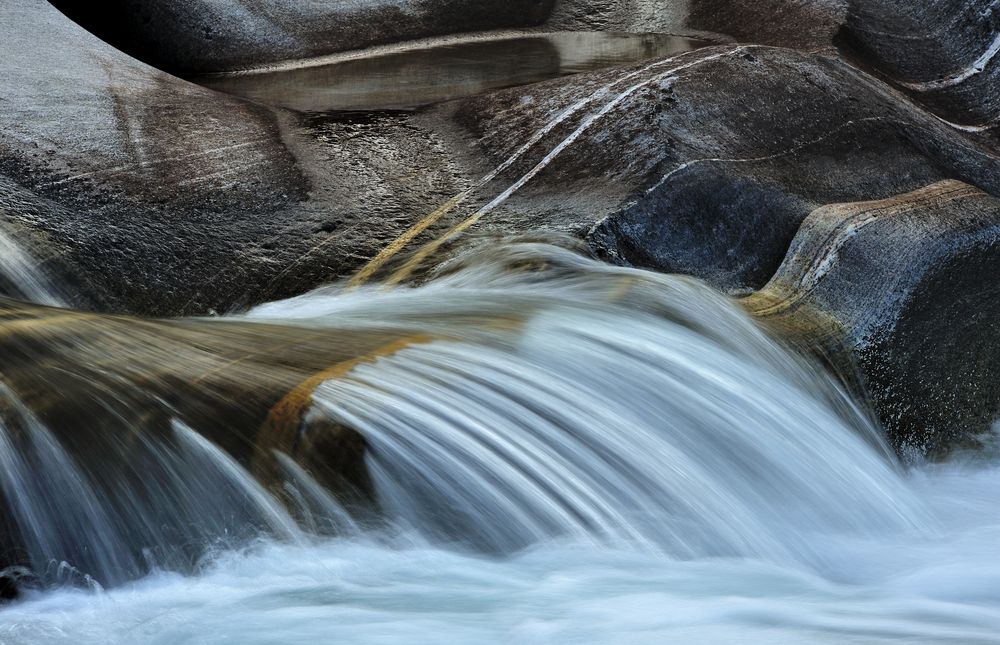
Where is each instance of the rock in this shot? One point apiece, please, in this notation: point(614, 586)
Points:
point(618, 15)
point(806, 24)
point(216, 203)
point(110, 392)
point(901, 292)
point(12, 582)
point(126, 175)
point(142, 193)
point(225, 378)
point(721, 153)
point(803, 24)
point(944, 53)
point(191, 36)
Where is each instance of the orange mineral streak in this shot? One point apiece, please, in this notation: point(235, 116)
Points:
point(286, 417)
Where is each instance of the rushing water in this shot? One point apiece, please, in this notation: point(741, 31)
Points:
point(564, 452)
point(20, 275)
point(435, 73)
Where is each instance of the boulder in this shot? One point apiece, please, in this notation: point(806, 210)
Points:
point(140, 192)
point(119, 175)
point(719, 156)
point(943, 53)
point(197, 36)
point(901, 294)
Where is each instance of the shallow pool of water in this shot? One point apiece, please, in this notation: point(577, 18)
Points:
point(417, 77)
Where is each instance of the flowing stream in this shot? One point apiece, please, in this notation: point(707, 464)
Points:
point(20, 275)
point(557, 451)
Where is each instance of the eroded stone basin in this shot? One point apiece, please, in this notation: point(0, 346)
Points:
point(420, 76)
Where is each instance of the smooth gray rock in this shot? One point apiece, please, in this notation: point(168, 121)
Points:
point(127, 181)
point(719, 156)
point(143, 193)
point(944, 53)
point(903, 293)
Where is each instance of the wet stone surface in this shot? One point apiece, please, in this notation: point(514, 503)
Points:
point(428, 75)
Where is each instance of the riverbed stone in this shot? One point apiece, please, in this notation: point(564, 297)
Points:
point(721, 153)
point(943, 53)
point(197, 36)
point(147, 194)
point(144, 193)
point(901, 293)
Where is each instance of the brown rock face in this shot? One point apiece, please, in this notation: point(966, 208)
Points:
point(111, 391)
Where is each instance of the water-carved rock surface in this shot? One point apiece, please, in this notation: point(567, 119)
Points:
point(943, 53)
point(206, 36)
point(499, 196)
point(127, 175)
point(904, 291)
point(143, 193)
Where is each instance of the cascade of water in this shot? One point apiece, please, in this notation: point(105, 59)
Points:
point(58, 515)
point(178, 499)
point(560, 398)
point(20, 276)
point(626, 408)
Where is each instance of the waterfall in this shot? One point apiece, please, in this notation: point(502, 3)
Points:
point(556, 451)
point(20, 276)
point(552, 398)
point(616, 406)
point(178, 500)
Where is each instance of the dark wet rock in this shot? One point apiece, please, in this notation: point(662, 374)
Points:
point(619, 15)
point(788, 23)
point(189, 36)
point(718, 156)
point(807, 24)
point(944, 53)
point(902, 292)
point(143, 193)
point(12, 582)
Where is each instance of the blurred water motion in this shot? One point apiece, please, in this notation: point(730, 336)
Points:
point(447, 453)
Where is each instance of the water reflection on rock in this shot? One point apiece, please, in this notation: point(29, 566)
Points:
point(416, 77)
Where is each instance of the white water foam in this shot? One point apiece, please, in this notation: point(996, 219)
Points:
point(21, 275)
point(627, 459)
